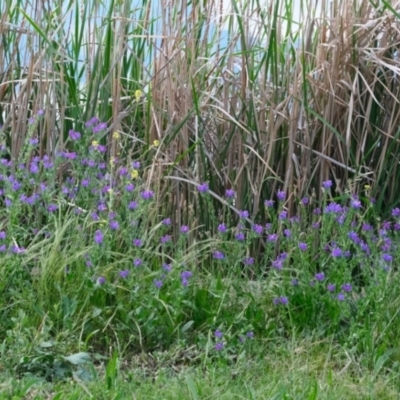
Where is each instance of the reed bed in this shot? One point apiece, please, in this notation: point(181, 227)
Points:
point(240, 95)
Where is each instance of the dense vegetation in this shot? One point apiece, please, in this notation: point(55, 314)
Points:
point(229, 201)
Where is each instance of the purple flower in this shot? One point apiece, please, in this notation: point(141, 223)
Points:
point(218, 255)
point(327, 184)
point(280, 300)
point(331, 287)
point(316, 225)
point(353, 236)
point(367, 227)
point(287, 233)
point(346, 287)
point(396, 212)
point(229, 193)
point(101, 280)
point(317, 211)
point(283, 215)
point(305, 201)
point(114, 225)
point(147, 194)
point(277, 264)
point(258, 229)
point(294, 282)
point(355, 203)
point(218, 334)
point(165, 239)
point(132, 205)
point(244, 214)
point(203, 188)
point(34, 168)
point(158, 283)
point(281, 195)
point(240, 236)
point(341, 296)
point(137, 242)
point(248, 261)
point(2, 235)
point(130, 187)
point(186, 274)
point(166, 221)
point(222, 228)
point(269, 203)
point(303, 246)
point(74, 135)
point(136, 165)
point(219, 346)
point(167, 267)
point(337, 252)
point(98, 237)
point(102, 207)
point(52, 207)
point(273, 237)
point(94, 216)
point(124, 274)
point(185, 229)
point(320, 276)
point(250, 335)
point(334, 208)
point(387, 257)
point(137, 262)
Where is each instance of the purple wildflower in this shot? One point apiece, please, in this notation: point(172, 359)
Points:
point(244, 214)
point(114, 225)
point(222, 228)
point(158, 283)
point(240, 236)
point(132, 205)
point(137, 242)
point(218, 334)
point(101, 280)
point(303, 246)
point(258, 229)
point(283, 214)
point(248, 261)
point(337, 252)
point(218, 255)
point(165, 239)
point(341, 296)
point(137, 262)
point(269, 203)
point(2, 235)
point(167, 267)
point(305, 201)
point(147, 194)
point(219, 346)
point(331, 287)
point(166, 221)
point(346, 287)
point(387, 257)
point(287, 233)
point(327, 184)
point(185, 229)
point(203, 188)
point(273, 237)
point(281, 195)
point(124, 274)
point(229, 193)
point(320, 276)
point(98, 237)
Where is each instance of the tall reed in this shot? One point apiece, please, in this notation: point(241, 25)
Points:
point(240, 95)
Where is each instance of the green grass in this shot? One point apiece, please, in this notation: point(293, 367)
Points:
point(300, 370)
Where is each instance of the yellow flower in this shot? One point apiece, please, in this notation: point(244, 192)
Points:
point(367, 187)
point(156, 143)
point(134, 174)
point(112, 161)
point(95, 144)
point(138, 94)
point(116, 135)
